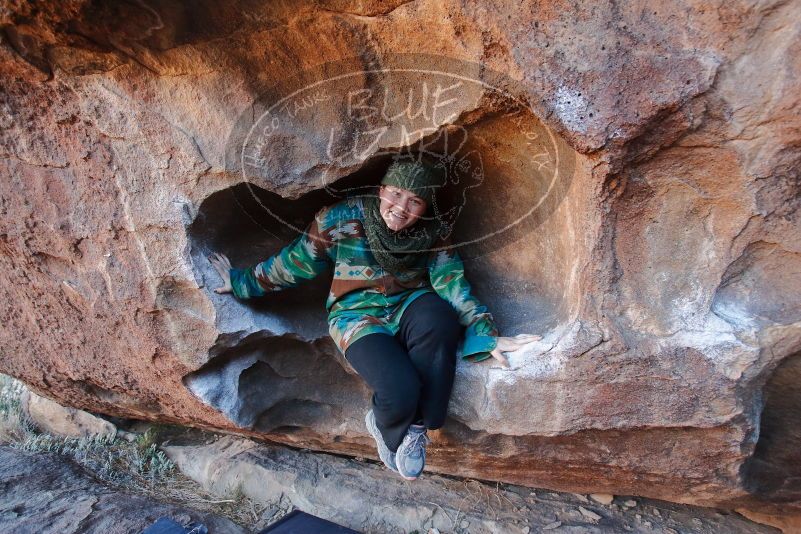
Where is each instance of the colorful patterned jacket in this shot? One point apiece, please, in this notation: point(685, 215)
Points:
point(363, 298)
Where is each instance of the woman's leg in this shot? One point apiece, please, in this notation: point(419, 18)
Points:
point(385, 366)
point(429, 331)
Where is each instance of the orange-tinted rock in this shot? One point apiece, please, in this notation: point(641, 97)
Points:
point(662, 269)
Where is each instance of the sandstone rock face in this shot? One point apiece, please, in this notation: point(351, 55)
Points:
point(51, 417)
point(637, 204)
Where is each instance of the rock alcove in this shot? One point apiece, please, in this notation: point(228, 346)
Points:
point(274, 367)
point(774, 470)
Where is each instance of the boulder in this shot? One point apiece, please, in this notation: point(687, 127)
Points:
point(355, 493)
point(628, 188)
point(53, 418)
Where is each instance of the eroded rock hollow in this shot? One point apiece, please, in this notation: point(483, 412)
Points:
point(628, 187)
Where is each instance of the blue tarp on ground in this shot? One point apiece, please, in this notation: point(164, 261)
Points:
point(297, 522)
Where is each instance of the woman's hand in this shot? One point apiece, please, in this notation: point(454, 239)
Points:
point(511, 344)
point(222, 264)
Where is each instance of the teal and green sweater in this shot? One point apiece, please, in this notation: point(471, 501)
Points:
point(365, 299)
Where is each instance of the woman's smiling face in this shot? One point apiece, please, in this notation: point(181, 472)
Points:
point(400, 208)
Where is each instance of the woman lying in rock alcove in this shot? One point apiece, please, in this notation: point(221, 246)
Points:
point(397, 303)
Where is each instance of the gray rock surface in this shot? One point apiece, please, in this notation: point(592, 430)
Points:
point(369, 498)
point(47, 494)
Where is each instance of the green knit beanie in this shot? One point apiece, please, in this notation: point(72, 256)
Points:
point(419, 177)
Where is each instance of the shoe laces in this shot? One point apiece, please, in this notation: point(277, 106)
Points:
point(417, 442)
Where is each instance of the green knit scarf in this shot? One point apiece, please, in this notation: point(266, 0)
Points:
point(401, 250)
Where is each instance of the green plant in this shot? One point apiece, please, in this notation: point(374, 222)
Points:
point(10, 392)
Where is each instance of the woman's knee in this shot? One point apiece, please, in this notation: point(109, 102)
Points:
point(434, 316)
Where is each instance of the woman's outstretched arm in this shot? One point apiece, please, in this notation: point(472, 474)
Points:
point(482, 339)
point(304, 258)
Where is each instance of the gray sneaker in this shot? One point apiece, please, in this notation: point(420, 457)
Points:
point(387, 456)
point(411, 455)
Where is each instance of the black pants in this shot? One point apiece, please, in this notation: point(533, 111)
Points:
point(411, 373)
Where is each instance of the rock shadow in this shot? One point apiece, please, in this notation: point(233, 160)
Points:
point(265, 382)
point(774, 470)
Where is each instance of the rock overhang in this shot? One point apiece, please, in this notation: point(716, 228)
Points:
point(134, 122)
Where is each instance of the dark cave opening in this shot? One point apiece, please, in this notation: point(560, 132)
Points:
point(774, 469)
point(249, 224)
